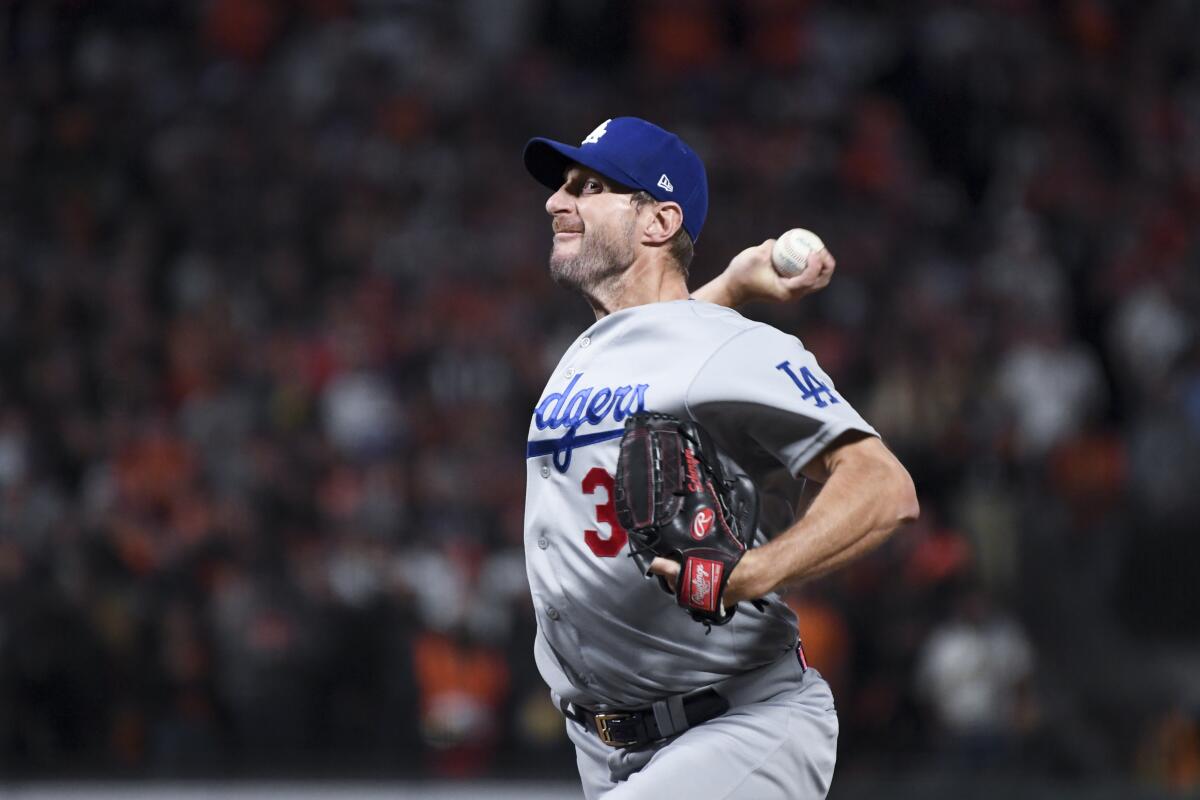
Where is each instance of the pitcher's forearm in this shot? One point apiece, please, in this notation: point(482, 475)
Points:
point(843, 523)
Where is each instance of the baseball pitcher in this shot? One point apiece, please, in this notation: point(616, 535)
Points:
point(666, 461)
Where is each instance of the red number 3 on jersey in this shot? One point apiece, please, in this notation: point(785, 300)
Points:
point(606, 513)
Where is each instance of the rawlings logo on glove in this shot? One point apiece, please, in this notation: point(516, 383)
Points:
point(674, 500)
point(699, 577)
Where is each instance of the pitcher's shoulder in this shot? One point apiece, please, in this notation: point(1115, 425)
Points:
point(699, 328)
point(719, 317)
point(725, 325)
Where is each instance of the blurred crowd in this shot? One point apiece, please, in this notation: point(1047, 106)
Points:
point(274, 313)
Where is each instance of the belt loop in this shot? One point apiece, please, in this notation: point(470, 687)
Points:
point(662, 716)
point(678, 716)
point(566, 708)
point(670, 716)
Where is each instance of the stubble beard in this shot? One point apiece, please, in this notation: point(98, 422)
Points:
point(600, 259)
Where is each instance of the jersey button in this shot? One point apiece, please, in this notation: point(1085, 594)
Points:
point(570, 372)
point(543, 542)
point(551, 612)
point(585, 341)
point(545, 471)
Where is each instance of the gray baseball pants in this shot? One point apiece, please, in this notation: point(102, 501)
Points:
point(777, 740)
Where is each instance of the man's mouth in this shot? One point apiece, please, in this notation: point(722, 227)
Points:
point(565, 228)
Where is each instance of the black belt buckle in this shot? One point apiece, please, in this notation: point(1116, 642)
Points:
point(607, 725)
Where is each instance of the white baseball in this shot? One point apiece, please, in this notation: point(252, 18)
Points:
point(790, 254)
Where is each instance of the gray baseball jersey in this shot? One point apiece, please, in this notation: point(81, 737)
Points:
point(607, 636)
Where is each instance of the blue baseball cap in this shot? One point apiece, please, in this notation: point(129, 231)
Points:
point(634, 153)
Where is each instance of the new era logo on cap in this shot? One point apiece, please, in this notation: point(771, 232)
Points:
point(636, 154)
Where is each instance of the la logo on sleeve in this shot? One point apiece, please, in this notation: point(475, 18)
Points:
point(811, 387)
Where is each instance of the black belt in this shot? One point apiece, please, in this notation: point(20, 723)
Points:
point(637, 727)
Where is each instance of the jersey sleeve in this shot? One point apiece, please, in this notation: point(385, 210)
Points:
point(763, 384)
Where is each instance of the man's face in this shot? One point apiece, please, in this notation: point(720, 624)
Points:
point(594, 223)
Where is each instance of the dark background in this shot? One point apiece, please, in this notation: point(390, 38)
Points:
point(274, 313)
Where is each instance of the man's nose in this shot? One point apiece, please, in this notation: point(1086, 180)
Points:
point(559, 202)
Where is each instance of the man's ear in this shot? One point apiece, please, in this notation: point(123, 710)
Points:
point(665, 221)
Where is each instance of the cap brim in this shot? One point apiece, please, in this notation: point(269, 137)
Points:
point(547, 161)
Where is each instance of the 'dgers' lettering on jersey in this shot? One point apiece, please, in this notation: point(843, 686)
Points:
point(573, 408)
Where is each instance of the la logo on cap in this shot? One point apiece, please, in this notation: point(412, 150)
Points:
point(595, 135)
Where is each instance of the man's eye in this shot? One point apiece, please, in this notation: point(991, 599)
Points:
point(591, 185)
